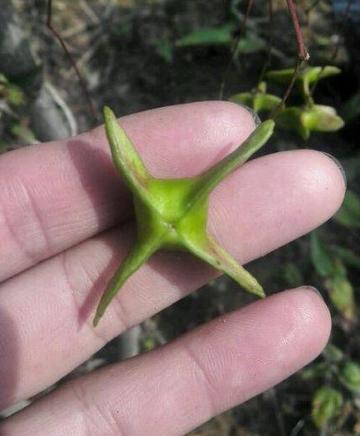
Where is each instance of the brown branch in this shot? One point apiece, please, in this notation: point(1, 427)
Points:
point(70, 58)
point(303, 56)
point(249, 6)
point(281, 105)
point(303, 53)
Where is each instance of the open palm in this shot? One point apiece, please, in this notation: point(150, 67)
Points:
point(65, 223)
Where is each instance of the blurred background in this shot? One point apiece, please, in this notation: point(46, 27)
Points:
point(140, 54)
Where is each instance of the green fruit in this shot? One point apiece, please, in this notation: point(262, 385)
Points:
point(307, 119)
point(172, 213)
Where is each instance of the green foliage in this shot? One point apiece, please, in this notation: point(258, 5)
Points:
point(340, 378)
point(315, 370)
point(306, 77)
point(221, 35)
point(10, 93)
point(149, 344)
point(341, 294)
point(349, 214)
point(334, 264)
point(338, 374)
point(350, 376)
point(249, 43)
point(336, 282)
point(350, 110)
point(309, 118)
point(303, 118)
point(121, 30)
point(258, 99)
point(328, 367)
point(23, 133)
point(292, 274)
point(3, 146)
point(12, 105)
point(320, 256)
point(333, 354)
point(347, 256)
point(326, 405)
point(165, 49)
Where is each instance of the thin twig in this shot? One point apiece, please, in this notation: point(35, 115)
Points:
point(344, 20)
point(303, 56)
point(85, 58)
point(312, 6)
point(281, 105)
point(235, 45)
point(303, 53)
point(337, 46)
point(75, 31)
point(89, 12)
point(70, 58)
point(247, 13)
point(271, 41)
point(278, 412)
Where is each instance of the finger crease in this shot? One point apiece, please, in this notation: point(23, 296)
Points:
point(15, 237)
point(95, 416)
point(73, 291)
point(121, 314)
point(37, 215)
point(209, 389)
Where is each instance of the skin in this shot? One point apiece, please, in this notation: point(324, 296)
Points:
point(70, 211)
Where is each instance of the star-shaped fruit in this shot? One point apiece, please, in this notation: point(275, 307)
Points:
point(172, 213)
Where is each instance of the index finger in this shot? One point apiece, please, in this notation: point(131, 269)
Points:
point(55, 195)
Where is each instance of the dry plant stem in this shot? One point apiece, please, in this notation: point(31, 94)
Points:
point(89, 12)
point(337, 45)
point(345, 18)
point(303, 56)
point(312, 6)
point(85, 58)
point(234, 47)
point(247, 13)
point(303, 53)
point(70, 58)
point(271, 42)
point(281, 105)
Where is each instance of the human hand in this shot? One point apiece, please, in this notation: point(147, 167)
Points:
point(58, 204)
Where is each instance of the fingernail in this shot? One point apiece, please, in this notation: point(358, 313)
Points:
point(312, 288)
point(253, 114)
point(338, 164)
